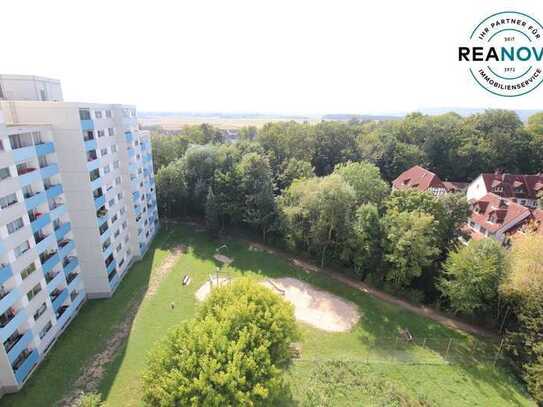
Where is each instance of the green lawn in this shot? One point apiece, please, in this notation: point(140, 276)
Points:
point(349, 383)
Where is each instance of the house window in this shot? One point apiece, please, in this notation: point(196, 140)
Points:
point(4, 173)
point(15, 225)
point(22, 248)
point(84, 114)
point(40, 311)
point(33, 292)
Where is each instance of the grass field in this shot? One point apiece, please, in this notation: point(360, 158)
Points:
point(332, 371)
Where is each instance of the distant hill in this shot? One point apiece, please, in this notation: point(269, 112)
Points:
point(359, 117)
point(522, 114)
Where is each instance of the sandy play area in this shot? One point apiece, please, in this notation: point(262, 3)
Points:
point(314, 307)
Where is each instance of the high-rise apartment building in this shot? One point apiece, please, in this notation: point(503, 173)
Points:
point(77, 208)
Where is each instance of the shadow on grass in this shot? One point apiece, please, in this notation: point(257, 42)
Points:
point(87, 336)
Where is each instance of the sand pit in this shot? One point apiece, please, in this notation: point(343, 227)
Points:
point(205, 289)
point(314, 307)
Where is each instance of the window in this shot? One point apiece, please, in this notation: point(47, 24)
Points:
point(108, 114)
point(39, 312)
point(107, 169)
point(22, 248)
point(114, 148)
point(111, 131)
point(8, 200)
point(15, 225)
point(111, 202)
point(103, 152)
point(4, 173)
point(101, 133)
point(120, 196)
point(117, 180)
point(89, 135)
point(33, 292)
point(28, 270)
point(118, 248)
point(98, 114)
point(116, 234)
point(124, 225)
point(94, 174)
point(116, 164)
point(45, 329)
point(84, 114)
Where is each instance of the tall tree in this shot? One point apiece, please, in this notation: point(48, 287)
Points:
point(365, 180)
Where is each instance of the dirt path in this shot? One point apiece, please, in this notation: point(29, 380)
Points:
point(92, 374)
point(359, 285)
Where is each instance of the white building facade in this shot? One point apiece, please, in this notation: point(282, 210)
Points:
point(94, 162)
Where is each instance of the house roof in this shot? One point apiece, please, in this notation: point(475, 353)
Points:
point(494, 213)
point(528, 185)
point(454, 186)
point(419, 178)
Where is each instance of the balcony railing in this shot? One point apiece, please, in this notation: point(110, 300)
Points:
point(12, 341)
point(26, 170)
point(71, 277)
point(6, 318)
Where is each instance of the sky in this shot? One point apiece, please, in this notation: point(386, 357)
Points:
point(267, 56)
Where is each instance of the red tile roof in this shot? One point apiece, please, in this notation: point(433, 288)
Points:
point(494, 213)
point(419, 178)
point(454, 186)
point(528, 185)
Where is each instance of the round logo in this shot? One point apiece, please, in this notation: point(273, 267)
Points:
point(505, 54)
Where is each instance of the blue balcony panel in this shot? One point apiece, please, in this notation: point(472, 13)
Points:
point(20, 345)
point(17, 320)
point(60, 299)
point(45, 148)
point(64, 251)
point(62, 230)
point(97, 183)
point(136, 195)
point(108, 251)
point(54, 191)
point(50, 263)
point(76, 282)
point(90, 145)
point(49, 171)
point(24, 153)
point(105, 235)
point(22, 373)
point(92, 165)
point(115, 281)
point(39, 223)
point(111, 266)
point(35, 200)
point(128, 136)
point(10, 299)
point(87, 125)
point(55, 282)
point(131, 152)
point(5, 273)
point(45, 243)
point(57, 212)
point(29, 178)
point(100, 220)
point(100, 201)
point(79, 299)
point(71, 266)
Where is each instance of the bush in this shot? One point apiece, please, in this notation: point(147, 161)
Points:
point(231, 354)
point(90, 400)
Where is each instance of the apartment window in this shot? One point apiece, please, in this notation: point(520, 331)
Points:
point(116, 164)
point(123, 209)
point(94, 174)
point(28, 270)
point(111, 131)
point(4, 173)
point(89, 135)
point(40, 311)
point(118, 248)
point(124, 225)
point(22, 248)
point(120, 196)
point(100, 133)
point(116, 234)
point(8, 200)
point(103, 152)
point(108, 114)
point(111, 202)
point(46, 329)
point(15, 225)
point(98, 114)
point(117, 180)
point(84, 114)
point(114, 219)
point(114, 148)
point(107, 169)
point(33, 292)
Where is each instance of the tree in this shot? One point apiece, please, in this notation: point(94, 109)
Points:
point(366, 241)
point(171, 189)
point(409, 245)
point(472, 275)
point(291, 170)
point(232, 354)
point(335, 142)
point(523, 287)
point(211, 213)
point(365, 180)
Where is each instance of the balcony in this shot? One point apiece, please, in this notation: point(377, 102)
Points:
point(49, 260)
point(54, 280)
point(62, 230)
point(87, 124)
point(53, 191)
point(58, 297)
point(69, 264)
point(57, 210)
point(32, 201)
point(71, 277)
point(101, 215)
point(49, 170)
point(44, 149)
point(16, 343)
point(8, 298)
point(38, 220)
point(99, 201)
point(5, 273)
point(9, 322)
point(45, 243)
point(23, 367)
point(65, 247)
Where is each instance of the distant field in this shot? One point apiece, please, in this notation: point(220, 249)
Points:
point(177, 122)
